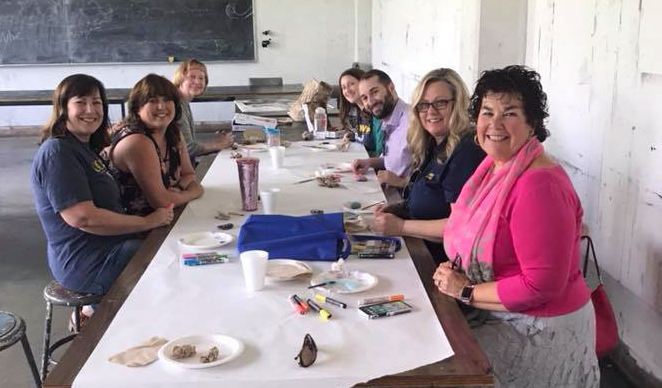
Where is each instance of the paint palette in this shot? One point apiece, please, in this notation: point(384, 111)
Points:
point(351, 282)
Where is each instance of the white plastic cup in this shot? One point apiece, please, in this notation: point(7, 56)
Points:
point(277, 156)
point(254, 264)
point(269, 200)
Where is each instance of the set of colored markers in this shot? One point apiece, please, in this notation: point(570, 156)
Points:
point(193, 259)
point(383, 306)
point(303, 307)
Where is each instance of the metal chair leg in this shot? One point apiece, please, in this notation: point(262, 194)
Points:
point(77, 319)
point(47, 341)
point(30, 357)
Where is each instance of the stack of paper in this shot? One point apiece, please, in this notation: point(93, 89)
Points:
point(242, 122)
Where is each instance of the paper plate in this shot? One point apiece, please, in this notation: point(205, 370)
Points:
point(286, 269)
point(205, 240)
point(228, 349)
point(257, 147)
point(355, 281)
point(336, 167)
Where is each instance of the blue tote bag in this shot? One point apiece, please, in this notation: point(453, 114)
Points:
point(311, 237)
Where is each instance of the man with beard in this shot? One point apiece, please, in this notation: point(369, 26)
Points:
point(378, 96)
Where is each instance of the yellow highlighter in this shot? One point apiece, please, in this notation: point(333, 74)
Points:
point(324, 314)
point(326, 299)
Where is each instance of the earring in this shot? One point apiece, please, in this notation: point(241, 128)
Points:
point(476, 139)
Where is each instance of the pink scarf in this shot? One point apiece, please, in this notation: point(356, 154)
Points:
point(471, 228)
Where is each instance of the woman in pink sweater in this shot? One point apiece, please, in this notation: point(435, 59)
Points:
point(513, 243)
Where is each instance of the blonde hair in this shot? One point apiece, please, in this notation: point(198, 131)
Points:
point(184, 68)
point(418, 139)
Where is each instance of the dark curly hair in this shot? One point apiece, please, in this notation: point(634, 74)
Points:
point(516, 80)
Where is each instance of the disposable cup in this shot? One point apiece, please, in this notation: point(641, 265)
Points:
point(277, 156)
point(254, 265)
point(269, 200)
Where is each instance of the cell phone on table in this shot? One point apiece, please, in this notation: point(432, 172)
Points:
point(385, 309)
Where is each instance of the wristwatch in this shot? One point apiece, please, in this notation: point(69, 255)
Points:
point(467, 293)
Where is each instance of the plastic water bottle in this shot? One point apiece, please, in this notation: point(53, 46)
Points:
point(319, 121)
point(273, 136)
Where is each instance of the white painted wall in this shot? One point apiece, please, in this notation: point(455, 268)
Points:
point(410, 38)
point(502, 33)
point(363, 32)
point(311, 39)
point(606, 131)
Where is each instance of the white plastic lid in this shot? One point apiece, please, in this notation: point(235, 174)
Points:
point(319, 109)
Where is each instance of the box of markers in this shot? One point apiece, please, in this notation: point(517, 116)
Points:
point(204, 258)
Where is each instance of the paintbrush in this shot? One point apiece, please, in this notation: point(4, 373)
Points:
point(372, 204)
point(304, 181)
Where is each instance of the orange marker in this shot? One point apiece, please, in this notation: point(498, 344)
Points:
point(301, 303)
point(297, 307)
point(381, 299)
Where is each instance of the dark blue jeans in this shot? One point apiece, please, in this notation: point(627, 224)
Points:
point(116, 260)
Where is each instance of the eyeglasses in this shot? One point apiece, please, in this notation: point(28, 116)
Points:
point(422, 107)
point(308, 353)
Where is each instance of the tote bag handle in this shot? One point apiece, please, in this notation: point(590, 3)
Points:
point(590, 248)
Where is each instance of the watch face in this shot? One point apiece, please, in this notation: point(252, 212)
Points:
point(466, 293)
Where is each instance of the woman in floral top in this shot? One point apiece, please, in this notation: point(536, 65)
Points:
point(147, 157)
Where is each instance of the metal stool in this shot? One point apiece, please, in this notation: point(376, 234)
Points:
point(12, 330)
point(57, 295)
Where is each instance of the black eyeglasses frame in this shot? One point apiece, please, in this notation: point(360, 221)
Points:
point(424, 107)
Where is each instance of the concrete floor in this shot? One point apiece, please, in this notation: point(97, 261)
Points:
point(23, 266)
point(24, 269)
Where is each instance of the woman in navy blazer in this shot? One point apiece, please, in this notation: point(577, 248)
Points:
point(444, 155)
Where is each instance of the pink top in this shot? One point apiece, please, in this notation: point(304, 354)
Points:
point(536, 250)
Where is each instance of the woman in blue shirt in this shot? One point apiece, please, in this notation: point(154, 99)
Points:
point(444, 156)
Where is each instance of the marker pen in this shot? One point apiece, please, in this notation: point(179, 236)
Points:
point(324, 314)
point(297, 306)
point(326, 299)
point(202, 255)
point(194, 260)
point(380, 299)
point(300, 301)
point(204, 258)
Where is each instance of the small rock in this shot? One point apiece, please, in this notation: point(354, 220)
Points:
point(353, 205)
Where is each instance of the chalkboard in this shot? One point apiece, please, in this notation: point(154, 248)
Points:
point(111, 31)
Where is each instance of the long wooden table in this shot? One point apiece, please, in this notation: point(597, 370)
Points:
point(468, 367)
point(120, 95)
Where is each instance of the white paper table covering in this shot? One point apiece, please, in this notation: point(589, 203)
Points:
point(172, 301)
